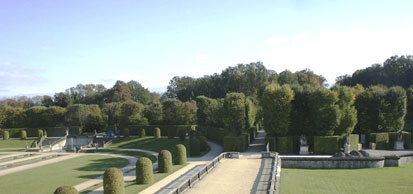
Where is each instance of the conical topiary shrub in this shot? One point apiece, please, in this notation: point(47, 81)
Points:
point(164, 161)
point(39, 133)
point(142, 133)
point(180, 154)
point(66, 190)
point(157, 133)
point(144, 171)
point(113, 181)
point(125, 132)
point(23, 134)
point(6, 135)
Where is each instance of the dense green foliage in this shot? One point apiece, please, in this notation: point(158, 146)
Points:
point(66, 190)
point(395, 71)
point(210, 111)
point(234, 144)
point(381, 140)
point(234, 112)
point(176, 112)
point(113, 181)
point(409, 93)
point(179, 154)
point(277, 107)
point(326, 144)
point(203, 143)
point(131, 113)
point(144, 171)
point(348, 116)
point(282, 145)
point(195, 146)
point(142, 133)
point(164, 161)
point(39, 133)
point(125, 132)
point(381, 109)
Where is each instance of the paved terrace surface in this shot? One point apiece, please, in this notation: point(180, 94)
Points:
point(382, 153)
point(243, 175)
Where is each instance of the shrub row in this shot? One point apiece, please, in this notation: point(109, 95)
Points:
point(166, 130)
point(51, 131)
point(214, 134)
point(236, 144)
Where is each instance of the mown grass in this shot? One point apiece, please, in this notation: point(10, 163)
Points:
point(15, 143)
point(46, 179)
point(135, 154)
point(150, 143)
point(371, 180)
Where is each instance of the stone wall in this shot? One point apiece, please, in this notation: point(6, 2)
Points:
point(331, 163)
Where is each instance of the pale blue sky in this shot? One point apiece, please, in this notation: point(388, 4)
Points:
point(48, 46)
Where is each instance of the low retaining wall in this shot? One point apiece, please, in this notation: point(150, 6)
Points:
point(275, 179)
point(332, 163)
point(391, 161)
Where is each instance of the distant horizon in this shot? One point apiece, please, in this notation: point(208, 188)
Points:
point(48, 46)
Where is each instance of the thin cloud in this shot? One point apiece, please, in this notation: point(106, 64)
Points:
point(12, 75)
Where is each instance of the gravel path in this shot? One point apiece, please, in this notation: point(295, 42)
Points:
point(234, 175)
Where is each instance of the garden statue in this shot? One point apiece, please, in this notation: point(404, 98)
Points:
point(303, 145)
point(67, 132)
point(346, 146)
point(398, 144)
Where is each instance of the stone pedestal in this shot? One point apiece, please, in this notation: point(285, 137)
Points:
point(304, 150)
point(372, 146)
point(398, 145)
point(359, 146)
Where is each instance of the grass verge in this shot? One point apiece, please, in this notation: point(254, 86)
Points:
point(369, 180)
point(46, 179)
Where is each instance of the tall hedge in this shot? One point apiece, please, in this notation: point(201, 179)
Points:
point(234, 112)
point(195, 146)
point(179, 154)
point(381, 109)
point(164, 161)
point(142, 133)
point(250, 111)
point(348, 115)
point(324, 112)
point(144, 171)
point(409, 93)
point(113, 181)
point(66, 190)
point(210, 112)
point(277, 107)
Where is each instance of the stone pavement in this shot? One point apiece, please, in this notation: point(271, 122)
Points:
point(235, 175)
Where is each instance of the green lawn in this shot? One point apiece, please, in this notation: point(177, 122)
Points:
point(149, 143)
point(15, 143)
point(46, 179)
point(372, 180)
point(129, 153)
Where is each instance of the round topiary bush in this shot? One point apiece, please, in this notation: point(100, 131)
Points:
point(164, 161)
point(23, 134)
point(144, 171)
point(66, 190)
point(113, 181)
point(39, 133)
point(125, 132)
point(6, 135)
point(157, 133)
point(142, 133)
point(180, 154)
point(182, 134)
point(204, 143)
point(195, 147)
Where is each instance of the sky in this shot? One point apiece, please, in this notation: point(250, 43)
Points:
point(47, 46)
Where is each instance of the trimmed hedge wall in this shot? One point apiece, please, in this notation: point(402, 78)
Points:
point(195, 147)
point(353, 140)
point(326, 144)
point(247, 139)
point(166, 130)
point(282, 145)
point(406, 140)
point(51, 131)
point(235, 144)
point(215, 134)
point(381, 140)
